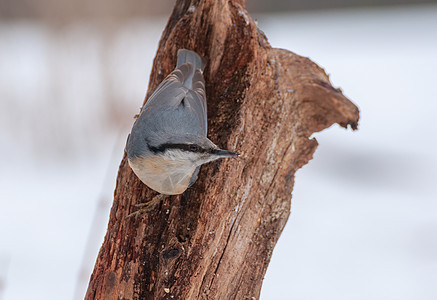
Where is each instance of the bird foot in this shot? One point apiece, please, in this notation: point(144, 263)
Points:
point(147, 206)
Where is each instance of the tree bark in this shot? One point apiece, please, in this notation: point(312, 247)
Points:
point(215, 240)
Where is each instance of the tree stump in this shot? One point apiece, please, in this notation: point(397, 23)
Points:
point(215, 240)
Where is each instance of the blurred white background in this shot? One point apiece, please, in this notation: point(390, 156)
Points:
point(363, 222)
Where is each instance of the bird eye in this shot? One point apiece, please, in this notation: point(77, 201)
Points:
point(194, 148)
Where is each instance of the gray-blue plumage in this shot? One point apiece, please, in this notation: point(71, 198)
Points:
point(180, 100)
point(168, 142)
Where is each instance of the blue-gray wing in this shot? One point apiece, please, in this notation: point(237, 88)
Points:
point(170, 91)
point(173, 92)
point(196, 100)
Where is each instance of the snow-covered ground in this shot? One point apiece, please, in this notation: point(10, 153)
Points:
point(364, 211)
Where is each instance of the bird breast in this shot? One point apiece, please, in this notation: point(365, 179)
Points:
point(169, 177)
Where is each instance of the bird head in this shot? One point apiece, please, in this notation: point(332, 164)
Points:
point(191, 149)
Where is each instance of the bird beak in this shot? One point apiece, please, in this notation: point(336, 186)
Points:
point(225, 153)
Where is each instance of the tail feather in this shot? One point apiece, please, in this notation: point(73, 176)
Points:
point(195, 59)
point(198, 62)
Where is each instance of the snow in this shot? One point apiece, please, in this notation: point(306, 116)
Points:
point(364, 211)
point(363, 220)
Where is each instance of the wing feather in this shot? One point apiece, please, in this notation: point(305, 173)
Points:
point(196, 99)
point(171, 91)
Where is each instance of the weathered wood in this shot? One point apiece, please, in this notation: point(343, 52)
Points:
point(215, 240)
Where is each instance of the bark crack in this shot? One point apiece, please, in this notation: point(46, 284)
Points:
point(277, 170)
point(214, 274)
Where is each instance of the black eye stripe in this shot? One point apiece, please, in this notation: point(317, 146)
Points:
point(184, 147)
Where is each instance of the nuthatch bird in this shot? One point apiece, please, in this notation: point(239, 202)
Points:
point(168, 143)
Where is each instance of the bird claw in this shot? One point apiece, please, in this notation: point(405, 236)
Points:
point(146, 206)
